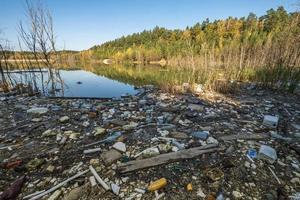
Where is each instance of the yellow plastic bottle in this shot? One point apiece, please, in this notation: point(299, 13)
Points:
point(156, 185)
point(189, 187)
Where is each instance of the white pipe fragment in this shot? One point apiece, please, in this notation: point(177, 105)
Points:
point(93, 181)
point(277, 179)
point(59, 185)
point(33, 194)
point(140, 190)
point(87, 151)
point(104, 185)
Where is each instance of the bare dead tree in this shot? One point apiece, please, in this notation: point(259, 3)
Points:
point(38, 37)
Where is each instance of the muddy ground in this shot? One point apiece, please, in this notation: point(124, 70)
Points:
point(47, 145)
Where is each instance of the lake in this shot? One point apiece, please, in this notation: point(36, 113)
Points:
point(79, 83)
point(106, 81)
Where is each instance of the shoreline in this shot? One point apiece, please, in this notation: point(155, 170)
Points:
point(50, 145)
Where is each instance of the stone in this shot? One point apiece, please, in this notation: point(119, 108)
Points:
point(295, 181)
point(200, 193)
point(163, 133)
point(247, 164)
point(212, 140)
point(74, 194)
point(36, 119)
point(117, 122)
point(37, 110)
point(50, 168)
point(86, 124)
point(142, 102)
point(99, 131)
point(64, 119)
point(35, 163)
point(196, 107)
point(198, 88)
point(72, 135)
point(130, 126)
point(115, 189)
point(93, 181)
point(111, 156)
point(178, 135)
point(55, 195)
point(95, 162)
point(296, 126)
point(120, 146)
point(49, 133)
point(202, 135)
point(165, 147)
point(237, 194)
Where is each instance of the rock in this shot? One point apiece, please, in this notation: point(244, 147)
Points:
point(178, 135)
point(49, 133)
point(247, 164)
point(64, 119)
point(142, 102)
point(229, 150)
point(37, 110)
point(214, 174)
point(35, 163)
point(237, 194)
point(74, 194)
point(200, 193)
point(117, 122)
point(55, 195)
point(202, 135)
point(99, 131)
point(120, 146)
point(163, 133)
point(196, 107)
point(93, 181)
point(296, 126)
point(72, 135)
point(115, 188)
point(212, 140)
point(165, 147)
point(86, 124)
point(295, 181)
point(130, 126)
point(267, 153)
point(95, 162)
point(110, 156)
point(36, 119)
point(50, 168)
point(198, 88)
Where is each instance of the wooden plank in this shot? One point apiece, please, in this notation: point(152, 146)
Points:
point(244, 137)
point(167, 158)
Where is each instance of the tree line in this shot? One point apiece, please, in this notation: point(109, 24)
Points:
point(250, 41)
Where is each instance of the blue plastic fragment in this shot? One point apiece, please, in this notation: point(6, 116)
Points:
point(252, 153)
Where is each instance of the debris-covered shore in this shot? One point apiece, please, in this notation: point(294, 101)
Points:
point(152, 146)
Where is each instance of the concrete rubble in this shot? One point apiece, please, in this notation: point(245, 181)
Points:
point(77, 148)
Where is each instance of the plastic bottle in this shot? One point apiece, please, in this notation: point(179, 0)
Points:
point(158, 184)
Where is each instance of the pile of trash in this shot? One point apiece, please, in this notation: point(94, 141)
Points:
point(151, 146)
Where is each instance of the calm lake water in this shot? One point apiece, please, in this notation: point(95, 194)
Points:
point(79, 83)
point(102, 81)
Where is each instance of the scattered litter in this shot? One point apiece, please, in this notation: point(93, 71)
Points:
point(271, 121)
point(267, 153)
point(158, 184)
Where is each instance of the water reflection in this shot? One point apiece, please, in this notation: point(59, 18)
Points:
point(73, 83)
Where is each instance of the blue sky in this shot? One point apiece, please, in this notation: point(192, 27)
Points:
point(80, 24)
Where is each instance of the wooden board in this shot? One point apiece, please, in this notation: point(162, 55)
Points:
point(244, 137)
point(167, 158)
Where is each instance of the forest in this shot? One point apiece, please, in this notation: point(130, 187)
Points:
point(264, 49)
point(248, 41)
